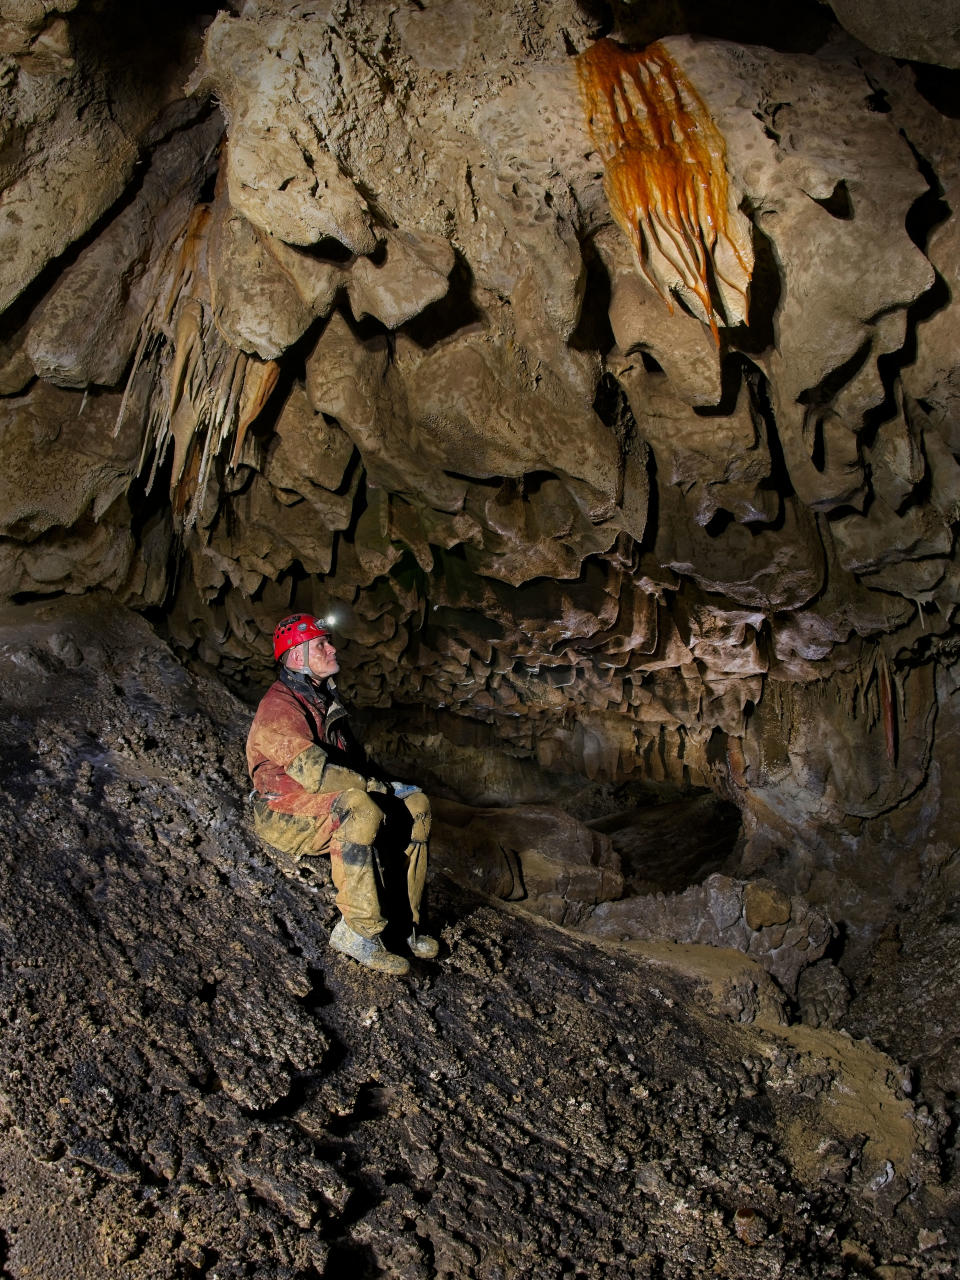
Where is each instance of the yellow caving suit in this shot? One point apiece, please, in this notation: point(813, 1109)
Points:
point(313, 796)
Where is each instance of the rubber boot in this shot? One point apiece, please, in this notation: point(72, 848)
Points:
point(422, 945)
point(367, 951)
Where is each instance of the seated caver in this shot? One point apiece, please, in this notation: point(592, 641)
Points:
point(315, 793)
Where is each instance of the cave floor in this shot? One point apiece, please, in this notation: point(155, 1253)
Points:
point(196, 1086)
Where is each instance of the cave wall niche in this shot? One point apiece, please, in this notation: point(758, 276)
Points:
point(327, 307)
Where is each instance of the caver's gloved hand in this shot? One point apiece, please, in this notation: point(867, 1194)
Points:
point(422, 945)
point(417, 804)
point(403, 789)
point(374, 784)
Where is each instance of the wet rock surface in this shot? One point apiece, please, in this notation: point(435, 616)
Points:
point(196, 1086)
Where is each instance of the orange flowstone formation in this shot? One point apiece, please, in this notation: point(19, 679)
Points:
point(665, 166)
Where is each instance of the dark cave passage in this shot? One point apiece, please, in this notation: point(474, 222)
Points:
point(666, 847)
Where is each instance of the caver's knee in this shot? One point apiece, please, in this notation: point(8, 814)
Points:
point(359, 816)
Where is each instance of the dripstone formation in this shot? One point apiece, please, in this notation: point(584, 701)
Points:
point(594, 369)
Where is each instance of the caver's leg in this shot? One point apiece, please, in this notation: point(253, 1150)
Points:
point(352, 864)
point(343, 825)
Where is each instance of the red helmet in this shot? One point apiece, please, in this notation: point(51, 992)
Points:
point(297, 629)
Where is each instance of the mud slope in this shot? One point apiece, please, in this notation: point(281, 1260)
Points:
point(192, 1086)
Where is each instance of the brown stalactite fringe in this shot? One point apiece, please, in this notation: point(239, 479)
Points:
point(888, 708)
point(665, 166)
point(213, 391)
point(258, 384)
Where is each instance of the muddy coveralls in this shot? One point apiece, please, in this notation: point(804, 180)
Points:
point(314, 795)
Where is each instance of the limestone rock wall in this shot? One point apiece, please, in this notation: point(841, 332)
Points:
point(364, 338)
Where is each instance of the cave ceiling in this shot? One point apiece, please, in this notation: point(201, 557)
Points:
point(360, 309)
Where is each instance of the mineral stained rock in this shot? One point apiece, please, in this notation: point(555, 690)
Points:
point(665, 177)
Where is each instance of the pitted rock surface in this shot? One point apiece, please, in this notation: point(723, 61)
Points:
point(203, 1087)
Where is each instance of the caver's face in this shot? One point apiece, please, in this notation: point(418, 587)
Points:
point(321, 659)
point(317, 658)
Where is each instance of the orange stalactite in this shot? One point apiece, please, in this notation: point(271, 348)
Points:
point(664, 167)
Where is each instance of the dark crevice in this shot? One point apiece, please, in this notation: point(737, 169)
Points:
point(764, 420)
point(328, 249)
point(593, 331)
point(612, 407)
point(649, 540)
point(288, 938)
point(929, 210)
point(801, 27)
point(731, 378)
point(838, 203)
point(717, 523)
point(830, 386)
point(302, 1089)
point(666, 848)
point(318, 996)
point(206, 993)
point(379, 255)
point(455, 312)
point(926, 213)
point(940, 86)
point(814, 435)
point(878, 100)
point(766, 288)
point(347, 1258)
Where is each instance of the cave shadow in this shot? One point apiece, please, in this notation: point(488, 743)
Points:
point(455, 313)
point(801, 27)
point(347, 1258)
point(756, 333)
point(669, 846)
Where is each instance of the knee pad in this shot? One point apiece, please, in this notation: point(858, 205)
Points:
point(360, 817)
